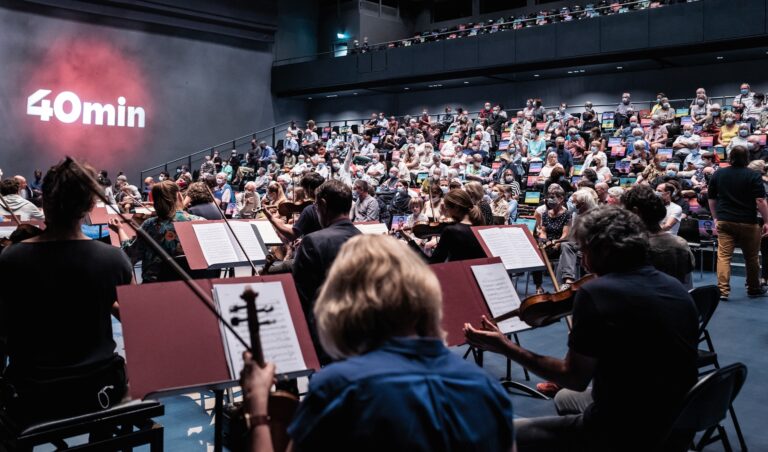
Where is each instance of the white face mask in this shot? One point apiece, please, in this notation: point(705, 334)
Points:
point(220, 181)
point(161, 178)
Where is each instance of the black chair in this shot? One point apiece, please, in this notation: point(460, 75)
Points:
point(130, 425)
point(704, 407)
point(707, 299)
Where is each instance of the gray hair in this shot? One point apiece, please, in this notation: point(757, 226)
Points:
point(615, 192)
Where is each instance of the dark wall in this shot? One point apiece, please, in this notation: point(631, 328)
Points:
point(195, 93)
point(297, 29)
point(719, 80)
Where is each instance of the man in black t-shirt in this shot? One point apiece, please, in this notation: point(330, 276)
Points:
point(638, 347)
point(736, 193)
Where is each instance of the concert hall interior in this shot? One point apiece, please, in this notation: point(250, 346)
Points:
point(416, 225)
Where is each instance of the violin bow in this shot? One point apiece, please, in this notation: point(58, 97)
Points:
point(204, 297)
point(8, 208)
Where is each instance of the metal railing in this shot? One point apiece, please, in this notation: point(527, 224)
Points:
point(276, 133)
point(501, 25)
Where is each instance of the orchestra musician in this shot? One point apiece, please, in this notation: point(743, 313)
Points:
point(308, 221)
point(638, 347)
point(398, 387)
point(457, 242)
point(58, 335)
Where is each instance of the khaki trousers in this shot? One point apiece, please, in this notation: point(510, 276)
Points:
point(747, 237)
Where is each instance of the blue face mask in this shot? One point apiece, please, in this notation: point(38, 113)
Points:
point(743, 133)
point(671, 173)
point(633, 124)
point(663, 164)
point(687, 134)
point(744, 92)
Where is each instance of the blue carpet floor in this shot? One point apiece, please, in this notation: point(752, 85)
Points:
point(739, 330)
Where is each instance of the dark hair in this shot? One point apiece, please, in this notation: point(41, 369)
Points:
point(311, 181)
point(589, 174)
point(362, 184)
point(739, 156)
point(164, 196)
point(556, 174)
point(614, 239)
point(198, 193)
point(459, 199)
point(337, 196)
point(68, 192)
point(643, 201)
point(9, 187)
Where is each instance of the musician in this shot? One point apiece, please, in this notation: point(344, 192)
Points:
point(416, 206)
point(634, 336)
point(59, 333)
point(169, 207)
point(319, 249)
point(308, 221)
point(199, 201)
point(398, 388)
point(457, 242)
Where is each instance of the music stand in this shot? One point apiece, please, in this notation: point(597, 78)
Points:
point(173, 344)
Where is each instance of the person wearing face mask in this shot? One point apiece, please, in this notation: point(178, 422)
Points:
point(536, 145)
point(666, 113)
point(499, 205)
point(391, 181)
point(530, 110)
point(699, 109)
point(401, 201)
point(752, 113)
point(477, 171)
point(622, 111)
point(301, 165)
point(744, 99)
point(575, 144)
point(553, 225)
point(656, 135)
point(728, 130)
point(486, 112)
point(685, 144)
point(564, 157)
point(741, 139)
point(626, 132)
point(713, 121)
point(224, 194)
point(588, 108)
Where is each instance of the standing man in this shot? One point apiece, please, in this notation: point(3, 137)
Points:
point(366, 207)
point(318, 250)
point(736, 194)
point(671, 222)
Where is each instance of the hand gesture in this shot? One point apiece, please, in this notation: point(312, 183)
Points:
point(488, 338)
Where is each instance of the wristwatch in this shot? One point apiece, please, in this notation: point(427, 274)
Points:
point(255, 421)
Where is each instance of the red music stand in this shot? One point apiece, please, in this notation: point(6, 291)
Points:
point(193, 251)
point(173, 343)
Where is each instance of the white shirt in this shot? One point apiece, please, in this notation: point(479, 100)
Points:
point(676, 212)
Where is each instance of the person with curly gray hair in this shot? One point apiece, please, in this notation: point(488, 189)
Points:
point(611, 347)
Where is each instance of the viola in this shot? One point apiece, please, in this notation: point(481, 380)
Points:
point(543, 309)
point(282, 404)
point(289, 208)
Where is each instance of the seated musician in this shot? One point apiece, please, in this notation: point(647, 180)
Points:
point(308, 221)
point(457, 242)
point(59, 333)
point(398, 387)
point(637, 347)
point(169, 207)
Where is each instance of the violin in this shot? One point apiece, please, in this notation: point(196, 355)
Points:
point(282, 404)
point(289, 208)
point(425, 229)
point(543, 309)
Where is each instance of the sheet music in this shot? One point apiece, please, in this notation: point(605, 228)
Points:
point(500, 295)
point(215, 243)
point(250, 242)
point(267, 232)
point(374, 228)
point(513, 247)
point(279, 341)
point(142, 210)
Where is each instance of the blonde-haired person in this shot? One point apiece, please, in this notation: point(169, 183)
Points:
point(169, 207)
point(398, 386)
point(457, 242)
point(499, 203)
point(728, 130)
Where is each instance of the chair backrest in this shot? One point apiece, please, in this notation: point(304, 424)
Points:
point(706, 298)
point(706, 404)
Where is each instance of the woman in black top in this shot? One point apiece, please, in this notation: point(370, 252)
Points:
point(457, 242)
point(200, 202)
point(58, 334)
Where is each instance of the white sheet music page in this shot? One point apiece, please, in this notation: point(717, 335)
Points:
point(500, 295)
point(513, 247)
point(267, 232)
point(248, 239)
point(373, 228)
point(279, 341)
point(215, 243)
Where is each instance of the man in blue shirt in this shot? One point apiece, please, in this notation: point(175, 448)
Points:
point(266, 154)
